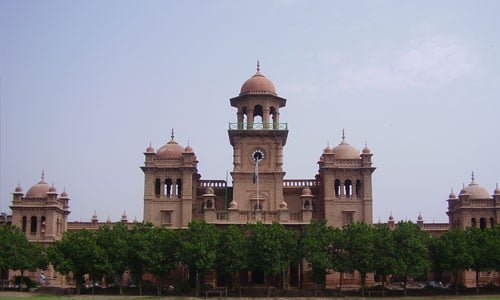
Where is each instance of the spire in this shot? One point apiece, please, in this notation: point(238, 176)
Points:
point(43, 177)
point(172, 136)
point(472, 182)
point(258, 66)
point(343, 135)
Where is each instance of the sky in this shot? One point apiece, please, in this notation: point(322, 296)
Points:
point(85, 86)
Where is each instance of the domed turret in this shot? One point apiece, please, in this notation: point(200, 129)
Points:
point(52, 189)
point(497, 190)
point(18, 189)
point(64, 194)
point(452, 195)
point(172, 150)
point(345, 151)
point(40, 189)
point(150, 149)
point(474, 190)
point(366, 150)
point(258, 84)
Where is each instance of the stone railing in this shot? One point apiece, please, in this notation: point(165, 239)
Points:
point(212, 183)
point(299, 182)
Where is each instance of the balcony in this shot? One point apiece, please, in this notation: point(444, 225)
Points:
point(258, 126)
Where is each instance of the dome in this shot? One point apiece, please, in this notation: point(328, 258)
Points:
point(306, 191)
point(258, 84)
point(475, 191)
point(150, 149)
point(64, 194)
point(452, 195)
point(233, 204)
point(39, 190)
point(345, 151)
point(52, 189)
point(366, 150)
point(188, 149)
point(328, 150)
point(18, 189)
point(170, 150)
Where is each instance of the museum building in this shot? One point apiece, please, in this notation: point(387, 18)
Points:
point(175, 194)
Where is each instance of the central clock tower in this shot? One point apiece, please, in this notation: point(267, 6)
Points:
point(258, 138)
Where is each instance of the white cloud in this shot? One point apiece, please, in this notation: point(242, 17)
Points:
point(425, 63)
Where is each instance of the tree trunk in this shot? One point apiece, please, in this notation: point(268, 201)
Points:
point(21, 280)
point(140, 286)
point(404, 286)
point(477, 281)
point(383, 284)
point(197, 284)
point(363, 279)
point(456, 283)
point(78, 284)
point(340, 285)
point(118, 280)
point(268, 282)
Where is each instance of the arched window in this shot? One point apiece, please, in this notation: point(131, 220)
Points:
point(168, 187)
point(359, 188)
point(178, 185)
point(42, 224)
point(492, 222)
point(274, 114)
point(348, 188)
point(25, 222)
point(34, 224)
point(337, 187)
point(482, 223)
point(245, 117)
point(473, 222)
point(157, 186)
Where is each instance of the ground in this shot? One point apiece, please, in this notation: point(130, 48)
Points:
point(17, 295)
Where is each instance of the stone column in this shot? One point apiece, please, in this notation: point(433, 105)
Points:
point(265, 118)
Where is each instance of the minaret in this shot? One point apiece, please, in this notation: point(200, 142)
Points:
point(258, 137)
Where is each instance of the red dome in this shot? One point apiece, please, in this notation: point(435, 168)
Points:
point(258, 84)
point(170, 150)
point(39, 190)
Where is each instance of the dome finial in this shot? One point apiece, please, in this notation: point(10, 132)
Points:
point(472, 178)
point(43, 177)
point(343, 135)
point(328, 143)
point(172, 135)
point(258, 66)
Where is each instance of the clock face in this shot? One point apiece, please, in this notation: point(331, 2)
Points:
point(257, 155)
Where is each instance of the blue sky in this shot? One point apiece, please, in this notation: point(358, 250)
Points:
point(86, 85)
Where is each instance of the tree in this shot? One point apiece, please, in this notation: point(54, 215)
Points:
point(114, 243)
point(411, 253)
point(383, 252)
point(18, 254)
point(482, 250)
point(273, 247)
point(359, 248)
point(454, 253)
point(199, 248)
point(315, 246)
point(77, 252)
point(232, 253)
point(139, 250)
point(339, 257)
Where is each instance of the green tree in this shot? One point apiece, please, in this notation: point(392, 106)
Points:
point(383, 252)
point(454, 253)
point(482, 249)
point(77, 252)
point(315, 245)
point(18, 254)
point(273, 247)
point(232, 253)
point(411, 253)
point(199, 248)
point(163, 253)
point(359, 247)
point(339, 257)
point(139, 250)
point(113, 240)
